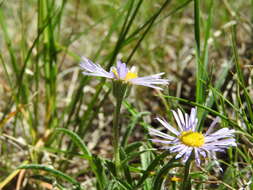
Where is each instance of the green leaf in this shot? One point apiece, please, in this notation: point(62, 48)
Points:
point(133, 146)
point(94, 162)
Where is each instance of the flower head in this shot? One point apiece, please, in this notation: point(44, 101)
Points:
point(122, 73)
point(186, 139)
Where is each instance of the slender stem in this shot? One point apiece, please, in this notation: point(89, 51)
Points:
point(185, 184)
point(200, 93)
point(116, 136)
point(174, 185)
point(197, 25)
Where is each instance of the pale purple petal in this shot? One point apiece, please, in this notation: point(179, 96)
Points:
point(224, 142)
point(182, 152)
point(160, 134)
point(187, 154)
point(177, 148)
point(202, 152)
point(209, 148)
point(210, 129)
point(150, 77)
point(178, 120)
point(187, 123)
point(161, 141)
point(212, 138)
point(92, 69)
point(168, 126)
point(149, 85)
point(150, 81)
point(121, 69)
point(139, 80)
point(224, 132)
point(181, 118)
point(197, 158)
point(193, 120)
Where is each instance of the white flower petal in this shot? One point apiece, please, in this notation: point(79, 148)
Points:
point(224, 142)
point(160, 134)
point(161, 141)
point(168, 126)
point(202, 152)
point(93, 69)
point(210, 129)
point(121, 69)
point(177, 120)
point(182, 152)
point(197, 158)
point(225, 132)
point(193, 120)
point(187, 123)
point(177, 148)
point(181, 118)
point(150, 81)
point(187, 154)
point(147, 85)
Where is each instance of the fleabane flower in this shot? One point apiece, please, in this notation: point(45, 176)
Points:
point(186, 140)
point(122, 73)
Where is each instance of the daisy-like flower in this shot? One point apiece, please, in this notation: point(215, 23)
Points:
point(122, 73)
point(186, 139)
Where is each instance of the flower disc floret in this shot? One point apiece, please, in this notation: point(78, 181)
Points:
point(193, 139)
point(130, 75)
point(175, 179)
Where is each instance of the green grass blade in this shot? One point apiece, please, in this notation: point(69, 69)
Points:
point(151, 168)
point(133, 35)
point(77, 140)
point(136, 116)
point(241, 80)
point(9, 44)
point(162, 173)
point(94, 162)
point(55, 172)
point(146, 160)
point(200, 69)
point(197, 26)
point(147, 30)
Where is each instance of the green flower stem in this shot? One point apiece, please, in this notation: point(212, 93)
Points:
point(119, 90)
point(174, 185)
point(186, 184)
point(116, 135)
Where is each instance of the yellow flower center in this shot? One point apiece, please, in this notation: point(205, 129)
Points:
point(130, 75)
point(115, 72)
point(175, 179)
point(193, 139)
